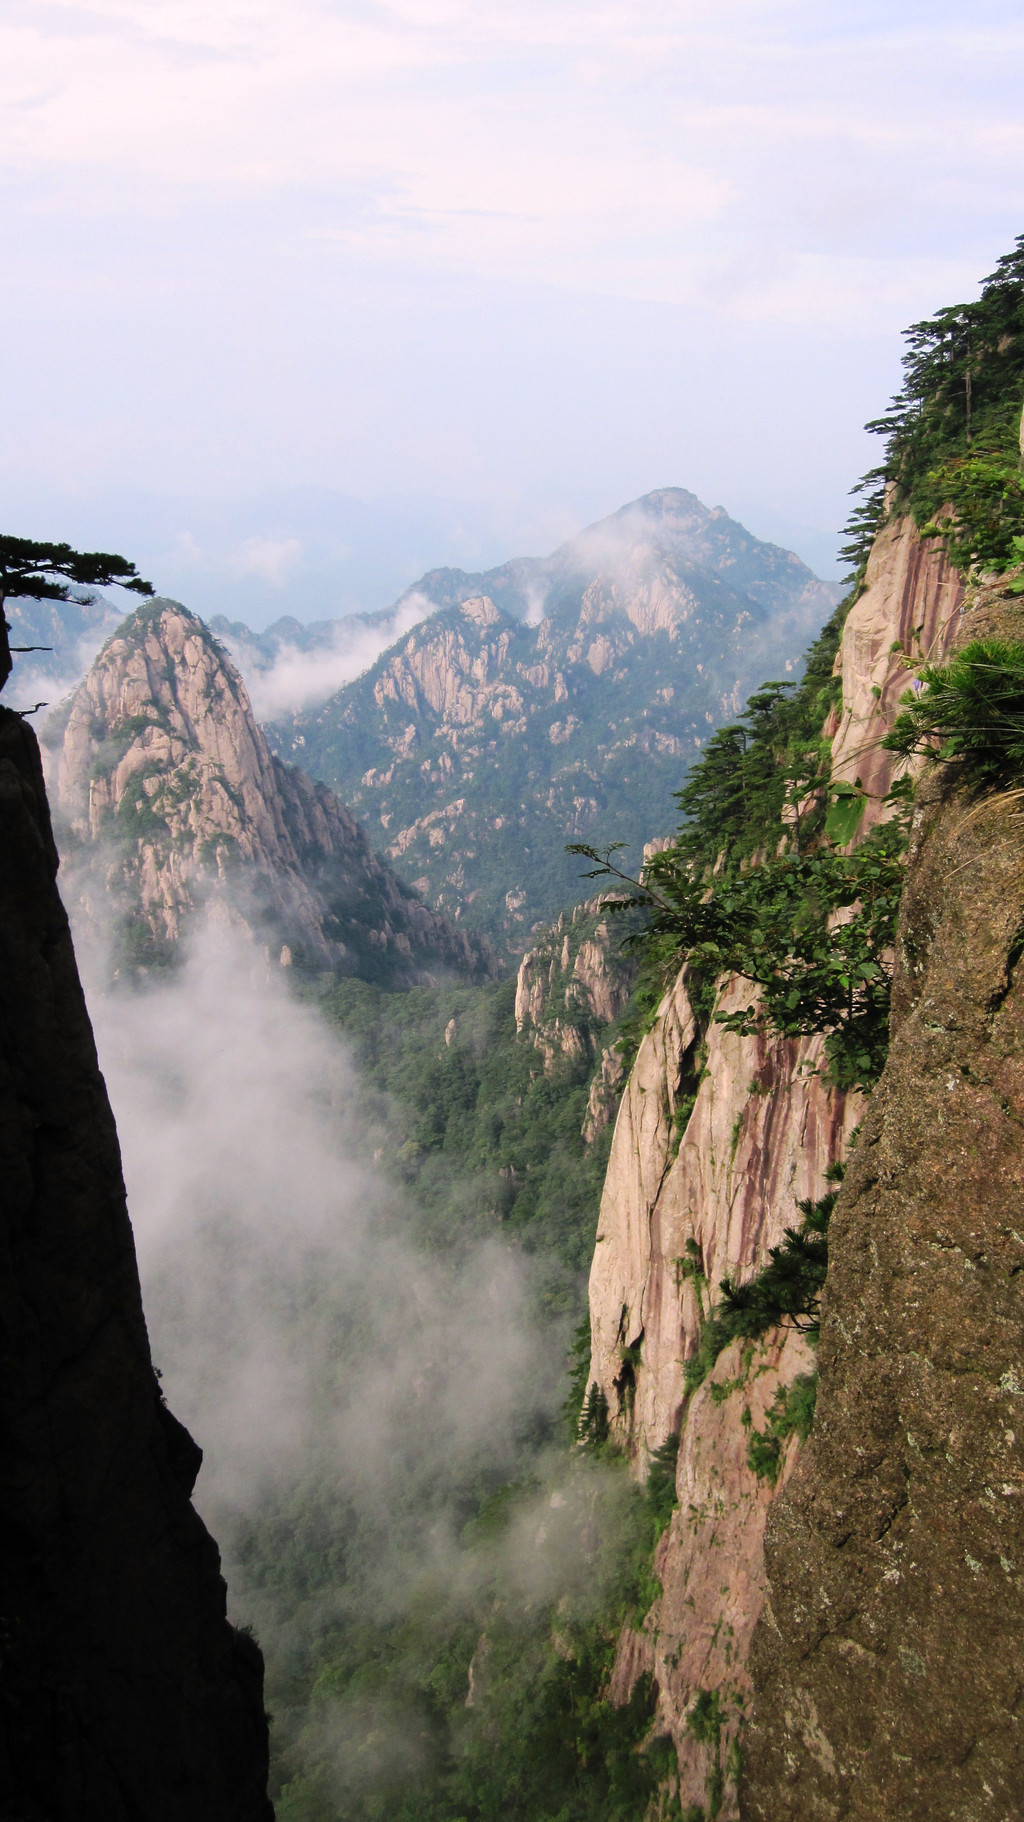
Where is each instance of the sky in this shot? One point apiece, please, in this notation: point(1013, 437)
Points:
point(301, 297)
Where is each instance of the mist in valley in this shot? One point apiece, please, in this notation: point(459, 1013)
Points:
point(385, 1459)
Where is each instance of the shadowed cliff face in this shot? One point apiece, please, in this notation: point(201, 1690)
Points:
point(889, 1662)
point(125, 1694)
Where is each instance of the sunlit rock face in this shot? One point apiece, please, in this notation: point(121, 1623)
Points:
point(890, 1657)
point(761, 1132)
point(556, 700)
point(125, 1694)
point(166, 784)
point(910, 607)
point(717, 1140)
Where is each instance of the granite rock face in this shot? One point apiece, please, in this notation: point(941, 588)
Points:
point(911, 606)
point(165, 783)
point(889, 1662)
point(758, 1138)
point(717, 1139)
point(125, 1695)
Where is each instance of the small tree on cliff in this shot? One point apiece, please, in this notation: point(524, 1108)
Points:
point(51, 572)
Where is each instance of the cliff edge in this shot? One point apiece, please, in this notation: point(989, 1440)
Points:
point(125, 1695)
point(719, 1139)
point(889, 1660)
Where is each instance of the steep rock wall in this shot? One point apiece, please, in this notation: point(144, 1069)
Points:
point(890, 1660)
point(761, 1132)
point(911, 600)
point(125, 1695)
point(715, 1149)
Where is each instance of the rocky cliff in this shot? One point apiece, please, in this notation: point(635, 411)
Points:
point(718, 1137)
point(889, 1662)
point(125, 1695)
point(557, 700)
point(574, 982)
point(167, 788)
point(910, 606)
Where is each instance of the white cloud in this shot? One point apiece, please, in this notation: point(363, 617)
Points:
point(272, 560)
point(266, 1238)
point(299, 679)
point(605, 148)
point(460, 247)
point(536, 600)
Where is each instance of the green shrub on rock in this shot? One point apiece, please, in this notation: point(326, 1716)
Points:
point(969, 711)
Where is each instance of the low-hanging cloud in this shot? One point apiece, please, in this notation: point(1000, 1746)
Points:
point(300, 677)
point(272, 560)
point(36, 681)
point(334, 1369)
point(267, 1242)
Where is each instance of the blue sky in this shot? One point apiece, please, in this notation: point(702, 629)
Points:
point(515, 261)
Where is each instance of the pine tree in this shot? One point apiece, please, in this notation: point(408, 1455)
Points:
point(51, 572)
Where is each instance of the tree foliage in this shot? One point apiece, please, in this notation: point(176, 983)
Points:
point(769, 766)
point(952, 432)
point(51, 572)
point(984, 492)
point(786, 1291)
point(812, 931)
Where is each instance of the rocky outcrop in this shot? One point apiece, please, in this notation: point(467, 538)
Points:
point(572, 985)
point(603, 1096)
point(556, 701)
point(910, 607)
point(125, 1695)
point(167, 786)
point(890, 1659)
point(723, 1169)
point(718, 1137)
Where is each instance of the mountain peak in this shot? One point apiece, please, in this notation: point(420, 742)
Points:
point(165, 780)
point(558, 700)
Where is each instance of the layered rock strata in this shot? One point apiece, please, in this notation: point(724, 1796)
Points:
point(166, 784)
point(125, 1695)
point(889, 1662)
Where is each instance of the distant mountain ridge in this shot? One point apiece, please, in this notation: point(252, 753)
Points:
point(555, 700)
point(670, 521)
